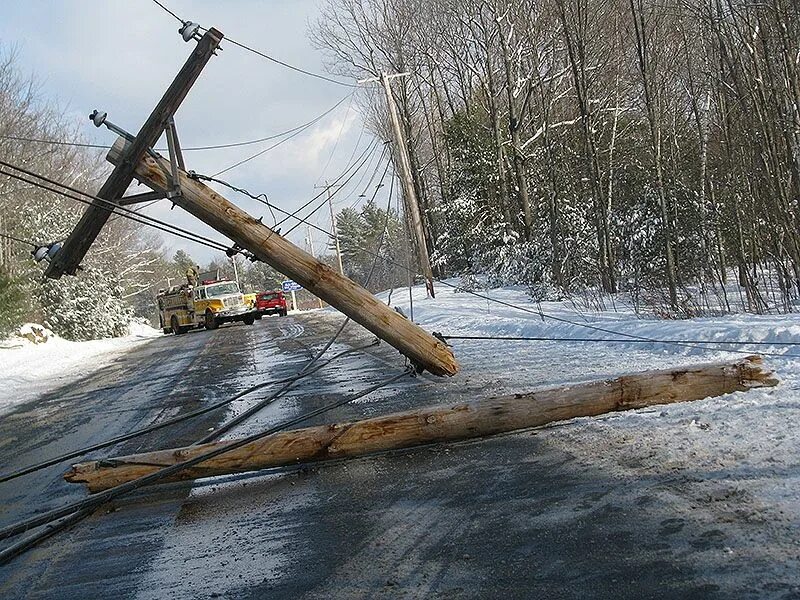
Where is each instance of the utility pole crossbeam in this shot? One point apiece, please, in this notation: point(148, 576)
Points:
point(83, 236)
point(409, 193)
point(423, 349)
point(139, 198)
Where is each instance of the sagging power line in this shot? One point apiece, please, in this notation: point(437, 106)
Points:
point(263, 54)
point(189, 148)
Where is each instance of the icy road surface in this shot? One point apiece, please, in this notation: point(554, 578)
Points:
point(694, 500)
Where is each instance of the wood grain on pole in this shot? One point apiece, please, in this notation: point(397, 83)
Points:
point(326, 283)
point(96, 215)
point(444, 423)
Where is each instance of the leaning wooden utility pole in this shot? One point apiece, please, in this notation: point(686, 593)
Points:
point(409, 193)
point(133, 156)
point(75, 247)
point(423, 349)
point(439, 423)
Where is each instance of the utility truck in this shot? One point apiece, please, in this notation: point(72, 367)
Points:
point(209, 305)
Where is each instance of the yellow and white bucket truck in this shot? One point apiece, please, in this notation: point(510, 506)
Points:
point(209, 305)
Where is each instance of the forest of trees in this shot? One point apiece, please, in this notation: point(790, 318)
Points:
point(614, 145)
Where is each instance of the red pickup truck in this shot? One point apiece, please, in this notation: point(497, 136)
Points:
point(271, 303)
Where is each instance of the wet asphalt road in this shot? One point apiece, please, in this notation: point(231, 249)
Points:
point(513, 516)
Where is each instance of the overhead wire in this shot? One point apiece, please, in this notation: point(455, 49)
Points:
point(297, 132)
point(20, 240)
point(189, 148)
point(113, 208)
point(264, 55)
point(686, 343)
point(293, 215)
point(323, 203)
point(523, 338)
point(338, 138)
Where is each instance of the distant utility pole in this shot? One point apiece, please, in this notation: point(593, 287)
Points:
point(412, 202)
point(311, 251)
point(334, 231)
point(235, 272)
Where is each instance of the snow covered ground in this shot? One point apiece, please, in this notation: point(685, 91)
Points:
point(30, 368)
point(723, 471)
point(734, 459)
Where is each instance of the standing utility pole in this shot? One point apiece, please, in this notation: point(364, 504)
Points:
point(410, 194)
point(311, 251)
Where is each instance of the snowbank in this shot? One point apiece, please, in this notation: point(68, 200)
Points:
point(733, 459)
point(35, 360)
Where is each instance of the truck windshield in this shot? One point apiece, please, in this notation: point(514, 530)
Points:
point(221, 289)
point(272, 296)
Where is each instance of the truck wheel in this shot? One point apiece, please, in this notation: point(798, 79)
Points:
point(258, 316)
point(211, 321)
point(176, 328)
point(283, 312)
point(249, 320)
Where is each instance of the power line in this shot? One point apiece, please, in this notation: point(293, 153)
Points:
point(338, 138)
point(188, 149)
point(18, 138)
point(689, 343)
point(298, 131)
point(169, 11)
point(370, 148)
point(110, 206)
point(20, 240)
point(266, 56)
point(288, 66)
point(125, 488)
point(519, 338)
point(326, 200)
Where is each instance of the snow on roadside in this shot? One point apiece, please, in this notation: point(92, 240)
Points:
point(732, 460)
point(36, 361)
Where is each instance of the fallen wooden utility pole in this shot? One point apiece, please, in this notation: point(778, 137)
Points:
point(250, 233)
point(439, 423)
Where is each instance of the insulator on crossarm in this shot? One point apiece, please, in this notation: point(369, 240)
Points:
point(40, 253)
point(190, 31)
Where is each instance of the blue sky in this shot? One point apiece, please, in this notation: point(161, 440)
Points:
point(120, 55)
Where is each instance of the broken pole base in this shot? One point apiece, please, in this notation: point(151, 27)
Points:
point(444, 423)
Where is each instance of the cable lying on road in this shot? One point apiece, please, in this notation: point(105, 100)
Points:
point(120, 490)
point(686, 343)
point(289, 383)
point(139, 432)
point(256, 408)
